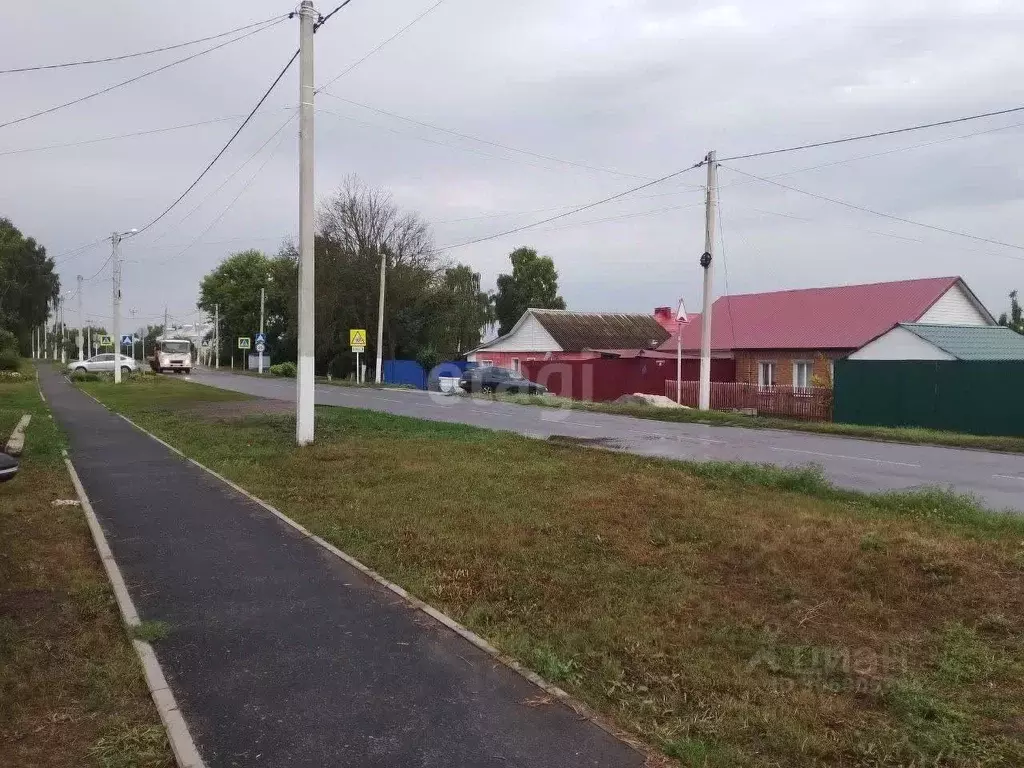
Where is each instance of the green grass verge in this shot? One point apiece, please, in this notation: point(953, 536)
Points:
point(71, 687)
point(728, 614)
point(912, 435)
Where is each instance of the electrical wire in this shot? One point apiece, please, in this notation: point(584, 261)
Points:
point(324, 19)
point(224, 149)
point(148, 132)
point(875, 135)
point(380, 45)
point(245, 122)
point(229, 177)
point(245, 186)
point(142, 53)
point(576, 210)
point(485, 141)
point(130, 80)
point(77, 251)
point(882, 214)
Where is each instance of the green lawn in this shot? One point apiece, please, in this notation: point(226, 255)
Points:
point(71, 687)
point(728, 615)
point(914, 435)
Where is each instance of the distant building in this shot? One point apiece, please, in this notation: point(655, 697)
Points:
point(918, 341)
point(793, 337)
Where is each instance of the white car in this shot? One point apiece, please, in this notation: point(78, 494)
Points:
point(102, 364)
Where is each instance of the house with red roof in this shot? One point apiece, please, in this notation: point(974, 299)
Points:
point(793, 337)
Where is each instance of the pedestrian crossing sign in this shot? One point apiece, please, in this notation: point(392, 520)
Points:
point(357, 337)
point(244, 342)
point(105, 341)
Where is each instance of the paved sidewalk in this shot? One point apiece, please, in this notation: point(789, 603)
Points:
point(282, 655)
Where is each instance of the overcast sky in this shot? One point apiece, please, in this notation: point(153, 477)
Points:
point(636, 87)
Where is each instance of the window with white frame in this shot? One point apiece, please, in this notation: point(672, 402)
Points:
point(486, 363)
point(802, 374)
point(766, 373)
point(515, 364)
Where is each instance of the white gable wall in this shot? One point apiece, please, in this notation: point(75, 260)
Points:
point(900, 344)
point(954, 307)
point(530, 336)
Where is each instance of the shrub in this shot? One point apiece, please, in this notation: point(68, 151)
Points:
point(284, 369)
point(10, 360)
point(85, 376)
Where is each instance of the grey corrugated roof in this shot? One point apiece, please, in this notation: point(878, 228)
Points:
point(972, 342)
point(577, 331)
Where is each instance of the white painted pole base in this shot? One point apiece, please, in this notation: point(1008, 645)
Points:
point(304, 397)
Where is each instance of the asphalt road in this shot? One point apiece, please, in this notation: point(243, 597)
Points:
point(282, 655)
point(997, 479)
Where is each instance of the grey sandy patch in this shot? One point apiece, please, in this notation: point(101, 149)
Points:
point(594, 442)
point(240, 409)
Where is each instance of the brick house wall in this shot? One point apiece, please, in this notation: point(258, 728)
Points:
point(748, 360)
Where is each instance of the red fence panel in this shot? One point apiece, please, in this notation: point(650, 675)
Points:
point(606, 379)
point(809, 403)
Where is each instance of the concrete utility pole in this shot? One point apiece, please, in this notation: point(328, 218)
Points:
point(81, 322)
point(63, 337)
point(90, 342)
point(705, 261)
point(304, 398)
point(380, 317)
point(216, 335)
point(165, 322)
point(263, 306)
point(115, 257)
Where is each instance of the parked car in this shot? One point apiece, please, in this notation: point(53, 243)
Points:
point(494, 379)
point(102, 364)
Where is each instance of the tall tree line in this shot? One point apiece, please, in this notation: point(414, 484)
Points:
point(28, 284)
point(433, 309)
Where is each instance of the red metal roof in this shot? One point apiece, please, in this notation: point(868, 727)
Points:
point(837, 317)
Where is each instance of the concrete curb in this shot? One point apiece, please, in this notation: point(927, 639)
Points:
point(182, 745)
point(653, 759)
point(16, 442)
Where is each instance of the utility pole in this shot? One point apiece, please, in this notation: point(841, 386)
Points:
point(63, 336)
point(216, 335)
point(35, 332)
point(81, 322)
point(165, 321)
point(90, 342)
point(705, 261)
point(304, 398)
point(263, 306)
point(380, 317)
point(115, 257)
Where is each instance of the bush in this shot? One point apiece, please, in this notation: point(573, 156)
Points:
point(85, 376)
point(10, 360)
point(284, 369)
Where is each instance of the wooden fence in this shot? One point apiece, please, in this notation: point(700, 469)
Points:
point(810, 403)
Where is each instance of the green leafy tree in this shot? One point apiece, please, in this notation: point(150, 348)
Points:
point(461, 312)
point(1015, 319)
point(533, 284)
point(234, 286)
point(28, 284)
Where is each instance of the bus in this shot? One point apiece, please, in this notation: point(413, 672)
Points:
point(172, 355)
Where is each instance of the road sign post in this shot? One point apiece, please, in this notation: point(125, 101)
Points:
point(261, 343)
point(357, 340)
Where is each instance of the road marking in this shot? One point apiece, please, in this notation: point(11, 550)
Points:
point(1010, 477)
point(851, 458)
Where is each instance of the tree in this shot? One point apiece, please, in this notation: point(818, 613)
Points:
point(357, 227)
point(234, 286)
point(1015, 319)
point(28, 284)
point(533, 284)
point(462, 311)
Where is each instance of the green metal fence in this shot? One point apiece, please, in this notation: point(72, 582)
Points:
point(979, 398)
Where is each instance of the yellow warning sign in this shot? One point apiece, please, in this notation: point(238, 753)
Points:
point(357, 337)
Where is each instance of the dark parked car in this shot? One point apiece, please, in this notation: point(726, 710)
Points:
point(494, 379)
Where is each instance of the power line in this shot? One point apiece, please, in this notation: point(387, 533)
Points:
point(148, 132)
point(77, 251)
point(110, 88)
point(884, 215)
point(574, 210)
point(224, 149)
point(875, 135)
point(142, 53)
point(485, 141)
point(380, 45)
point(245, 186)
point(324, 19)
point(245, 122)
point(229, 177)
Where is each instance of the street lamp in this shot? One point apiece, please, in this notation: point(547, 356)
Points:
point(115, 255)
